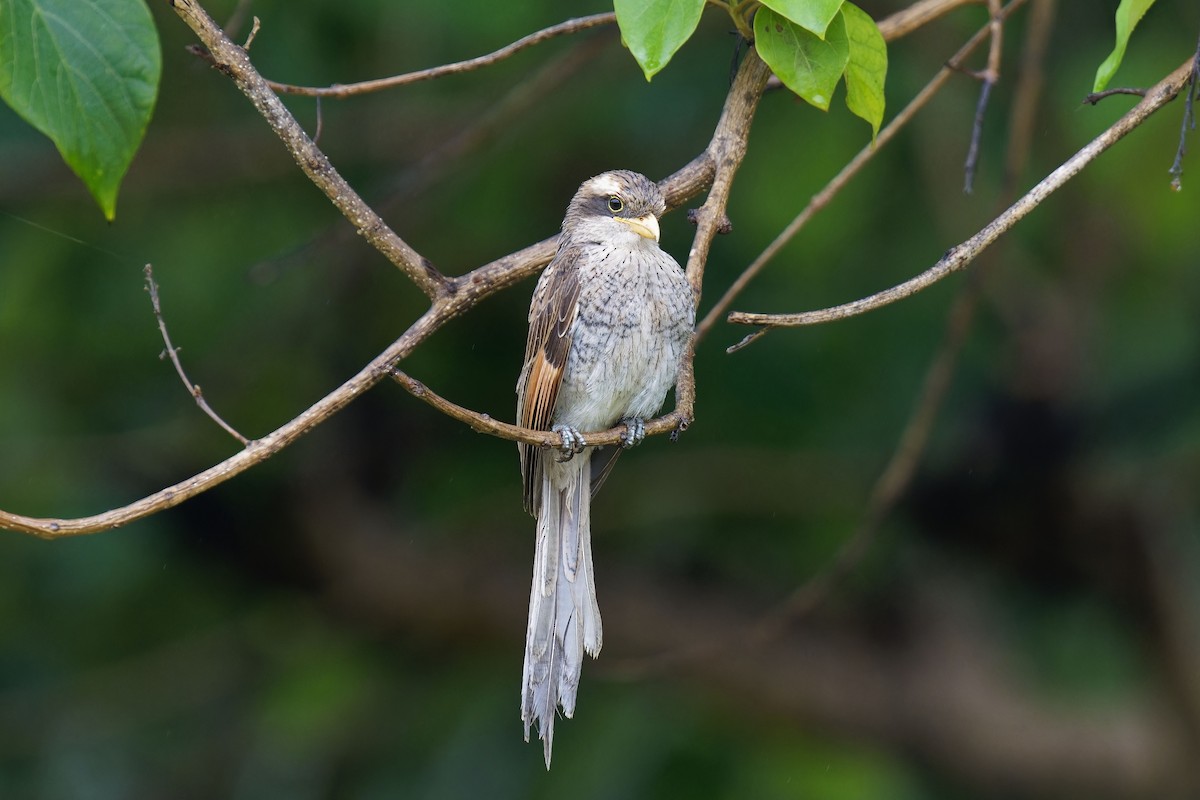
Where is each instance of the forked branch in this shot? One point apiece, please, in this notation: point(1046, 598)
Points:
point(450, 297)
point(232, 60)
point(961, 256)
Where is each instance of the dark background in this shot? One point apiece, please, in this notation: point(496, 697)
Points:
point(346, 620)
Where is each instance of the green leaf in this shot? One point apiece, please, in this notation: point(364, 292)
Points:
point(867, 67)
point(654, 29)
point(807, 65)
point(812, 15)
point(1129, 13)
point(85, 73)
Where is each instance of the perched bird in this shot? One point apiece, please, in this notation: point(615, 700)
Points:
point(611, 317)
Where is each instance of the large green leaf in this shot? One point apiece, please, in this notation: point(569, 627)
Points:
point(654, 29)
point(85, 73)
point(1129, 13)
point(867, 67)
point(807, 65)
point(812, 15)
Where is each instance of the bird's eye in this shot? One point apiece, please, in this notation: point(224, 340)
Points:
point(615, 205)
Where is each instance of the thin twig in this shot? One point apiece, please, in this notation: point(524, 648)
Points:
point(972, 162)
point(1095, 97)
point(822, 198)
point(961, 256)
point(486, 423)
point(172, 352)
point(340, 90)
point(253, 33)
point(1188, 124)
point(990, 77)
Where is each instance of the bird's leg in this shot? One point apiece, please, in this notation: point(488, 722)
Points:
point(572, 442)
point(635, 431)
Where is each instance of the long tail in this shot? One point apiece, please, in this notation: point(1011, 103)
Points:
point(564, 618)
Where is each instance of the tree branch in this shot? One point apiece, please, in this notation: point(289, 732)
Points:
point(1095, 97)
point(340, 90)
point(1188, 123)
point(232, 60)
point(451, 299)
point(990, 77)
point(726, 150)
point(839, 181)
point(961, 256)
point(485, 423)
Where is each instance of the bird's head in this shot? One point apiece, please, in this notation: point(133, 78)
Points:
point(617, 206)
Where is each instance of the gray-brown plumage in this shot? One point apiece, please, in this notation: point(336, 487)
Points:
point(610, 320)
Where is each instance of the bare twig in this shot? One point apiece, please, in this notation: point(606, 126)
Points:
point(485, 423)
point(1188, 124)
point(989, 78)
point(1096, 97)
point(340, 90)
point(960, 256)
point(972, 162)
point(233, 61)
point(253, 33)
point(172, 352)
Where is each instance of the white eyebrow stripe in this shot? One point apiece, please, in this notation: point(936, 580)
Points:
point(606, 184)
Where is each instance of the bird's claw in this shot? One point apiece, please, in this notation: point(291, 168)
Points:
point(572, 442)
point(635, 431)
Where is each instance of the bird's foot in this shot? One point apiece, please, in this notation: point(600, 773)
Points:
point(635, 431)
point(572, 442)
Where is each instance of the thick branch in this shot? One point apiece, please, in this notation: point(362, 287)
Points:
point(726, 150)
point(961, 256)
point(234, 62)
point(348, 89)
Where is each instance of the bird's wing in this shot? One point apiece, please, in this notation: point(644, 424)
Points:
point(551, 322)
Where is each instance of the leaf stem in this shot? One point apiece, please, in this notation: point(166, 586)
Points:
point(740, 12)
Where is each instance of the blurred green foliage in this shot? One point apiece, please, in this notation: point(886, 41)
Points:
point(217, 650)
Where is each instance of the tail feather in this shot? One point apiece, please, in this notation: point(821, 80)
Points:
point(564, 618)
